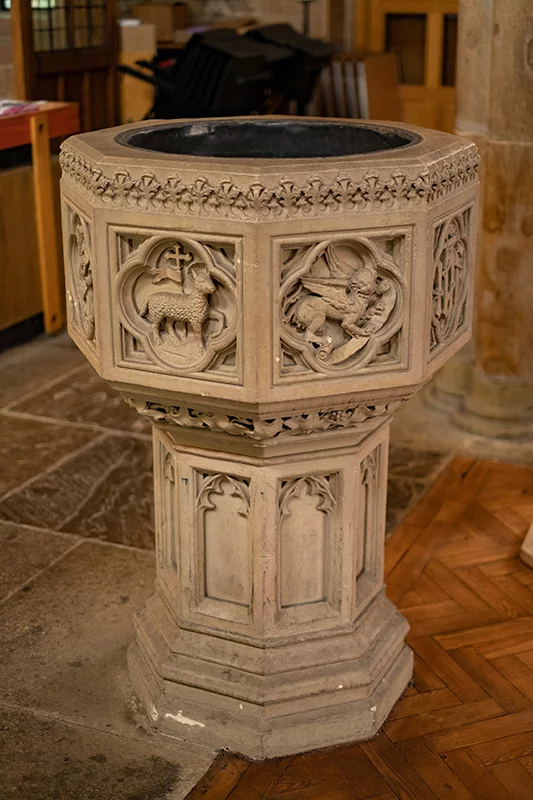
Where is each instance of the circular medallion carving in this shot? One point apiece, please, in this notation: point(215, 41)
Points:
point(340, 303)
point(176, 296)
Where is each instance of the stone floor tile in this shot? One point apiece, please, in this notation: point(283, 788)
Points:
point(409, 462)
point(25, 552)
point(43, 759)
point(28, 446)
point(401, 496)
point(105, 491)
point(63, 636)
point(85, 397)
point(28, 367)
point(62, 339)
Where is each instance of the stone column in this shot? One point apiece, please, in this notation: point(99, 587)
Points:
point(268, 314)
point(495, 107)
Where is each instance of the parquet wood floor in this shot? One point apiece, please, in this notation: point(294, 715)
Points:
point(464, 728)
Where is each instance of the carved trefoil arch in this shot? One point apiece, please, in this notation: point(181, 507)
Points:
point(80, 278)
point(177, 298)
point(451, 280)
point(223, 545)
point(308, 547)
point(341, 303)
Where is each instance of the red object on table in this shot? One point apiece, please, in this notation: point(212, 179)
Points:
point(63, 120)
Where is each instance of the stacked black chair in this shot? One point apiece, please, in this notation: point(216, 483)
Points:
point(221, 73)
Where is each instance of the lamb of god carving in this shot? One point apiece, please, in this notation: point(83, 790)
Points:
point(177, 298)
point(339, 298)
point(170, 307)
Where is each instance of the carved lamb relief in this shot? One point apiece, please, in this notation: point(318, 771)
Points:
point(341, 305)
point(451, 255)
point(80, 284)
point(177, 299)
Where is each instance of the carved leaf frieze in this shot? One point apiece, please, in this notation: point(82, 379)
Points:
point(291, 425)
point(177, 298)
point(451, 278)
point(285, 199)
point(341, 301)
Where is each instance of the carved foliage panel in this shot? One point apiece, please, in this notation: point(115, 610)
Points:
point(309, 534)
point(343, 304)
point(178, 304)
point(223, 534)
point(452, 247)
point(79, 274)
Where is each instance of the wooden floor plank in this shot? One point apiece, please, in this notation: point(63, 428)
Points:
point(499, 688)
point(478, 518)
point(476, 776)
point(431, 590)
point(516, 591)
point(513, 520)
point(506, 566)
point(467, 713)
point(433, 626)
point(220, 780)
point(414, 561)
point(496, 597)
point(519, 645)
point(424, 679)
point(396, 769)
point(399, 543)
point(441, 608)
point(461, 684)
point(505, 749)
point(359, 772)
point(488, 633)
point(447, 579)
point(434, 770)
point(486, 731)
point(422, 703)
point(515, 778)
point(516, 673)
point(463, 730)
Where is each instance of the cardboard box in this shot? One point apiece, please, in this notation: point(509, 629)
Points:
point(166, 16)
point(138, 38)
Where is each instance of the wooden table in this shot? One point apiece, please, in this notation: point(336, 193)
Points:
point(37, 127)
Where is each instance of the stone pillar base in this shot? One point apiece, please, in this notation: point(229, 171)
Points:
point(302, 695)
point(446, 390)
point(270, 632)
point(501, 408)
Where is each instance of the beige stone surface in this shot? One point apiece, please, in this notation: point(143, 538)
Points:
point(494, 94)
point(267, 316)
